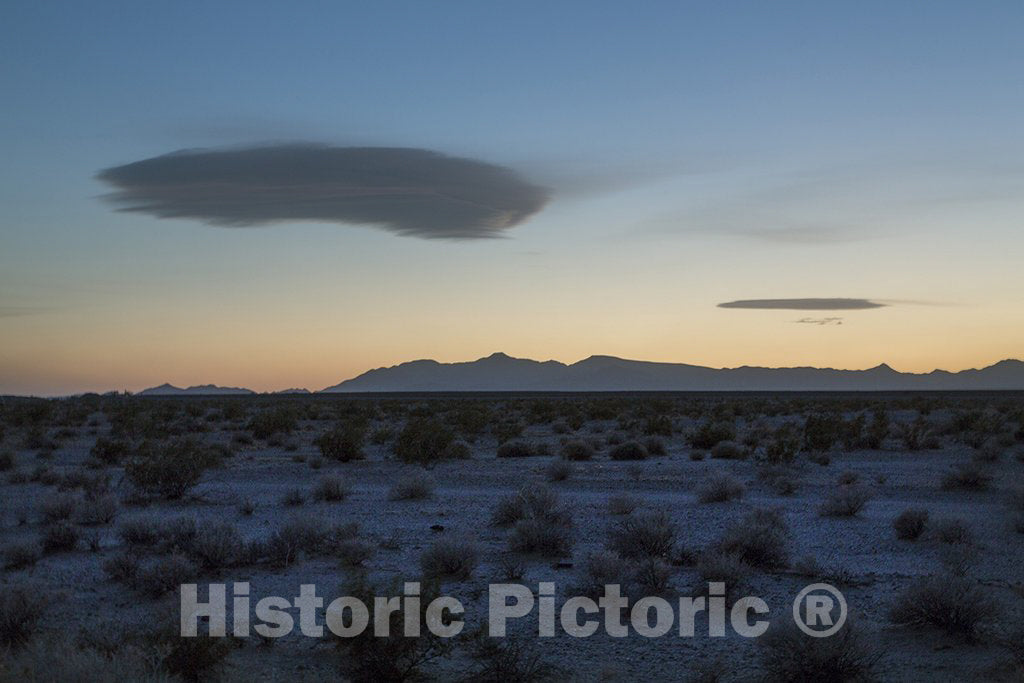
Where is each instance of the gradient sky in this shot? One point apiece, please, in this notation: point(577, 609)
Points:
point(696, 154)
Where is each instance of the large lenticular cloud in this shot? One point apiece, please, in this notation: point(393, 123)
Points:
point(804, 304)
point(406, 191)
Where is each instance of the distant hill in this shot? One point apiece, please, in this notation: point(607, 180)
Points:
point(199, 390)
point(499, 372)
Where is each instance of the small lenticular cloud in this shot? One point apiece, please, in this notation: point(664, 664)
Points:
point(804, 304)
point(820, 321)
point(406, 191)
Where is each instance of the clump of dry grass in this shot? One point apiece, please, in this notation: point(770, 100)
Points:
point(645, 535)
point(604, 568)
point(354, 552)
point(910, 524)
point(728, 450)
point(417, 485)
point(955, 604)
point(789, 654)
point(330, 488)
point(716, 566)
point(577, 449)
point(163, 575)
point(449, 559)
point(846, 501)
point(760, 540)
point(96, 511)
point(540, 523)
point(20, 555)
point(630, 450)
point(21, 607)
point(59, 538)
point(58, 507)
point(720, 487)
point(293, 498)
point(558, 470)
point(968, 476)
point(952, 532)
point(622, 504)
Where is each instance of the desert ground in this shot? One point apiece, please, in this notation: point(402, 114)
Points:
point(911, 505)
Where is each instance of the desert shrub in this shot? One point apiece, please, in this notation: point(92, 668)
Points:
point(449, 559)
point(59, 538)
point(20, 611)
point(293, 498)
point(652, 576)
point(788, 654)
point(558, 470)
point(604, 568)
point(622, 504)
point(247, 507)
point(517, 449)
point(343, 443)
point(509, 659)
point(728, 450)
point(761, 540)
point(650, 534)
point(655, 446)
point(168, 470)
point(910, 524)
point(782, 479)
point(845, 501)
point(217, 545)
point(18, 476)
point(20, 555)
point(720, 487)
point(7, 461)
point(715, 566)
point(530, 501)
point(268, 423)
point(990, 451)
point(191, 659)
point(416, 485)
point(917, 435)
point(847, 478)
point(544, 536)
point(968, 476)
point(952, 532)
point(876, 431)
point(540, 523)
point(630, 450)
point(92, 483)
point(658, 425)
point(122, 567)
point(709, 433)
point(110, 451)
point(423, 440)
point(821, 430)
point(783, 444)
point(954, 604)
point(96, 511)
point(57, 507)
point(353, 552)
point(163, 575)
point(394, 657)
point(577, 449)
point(330, 488)
point(139, 532)
point(458, 450)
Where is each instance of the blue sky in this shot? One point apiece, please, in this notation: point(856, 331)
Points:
point(695, 152)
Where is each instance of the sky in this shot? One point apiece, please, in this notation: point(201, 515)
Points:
point(275, 195)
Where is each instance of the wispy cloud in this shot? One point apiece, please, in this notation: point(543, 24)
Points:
point(19, 311)
point(406, 191)
point(820, 321)
point(804, 304)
